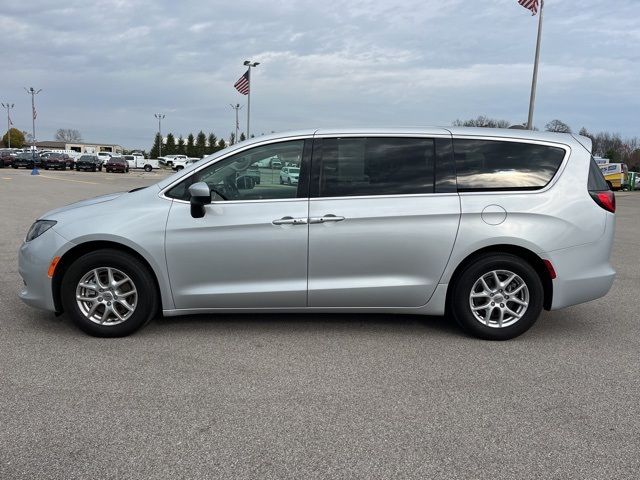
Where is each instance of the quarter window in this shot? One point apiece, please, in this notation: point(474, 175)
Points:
point(501, 165)
point(253, 174)
point(376, 166)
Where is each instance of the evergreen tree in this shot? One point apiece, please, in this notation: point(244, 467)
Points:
point(242, 137)
point(232, 138)
point(170, 145)
point(156, 147)
point(222, 144)
point(211, 143)
point(191, 149)
point(201, 144)
point(180, 147)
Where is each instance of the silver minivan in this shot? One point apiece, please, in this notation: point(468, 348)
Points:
point(486, 226)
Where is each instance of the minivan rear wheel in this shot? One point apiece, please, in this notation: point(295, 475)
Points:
point(109, 293)
point(497, 297)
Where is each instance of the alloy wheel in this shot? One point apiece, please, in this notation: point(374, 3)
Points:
point(106, 296)
point(499, 298)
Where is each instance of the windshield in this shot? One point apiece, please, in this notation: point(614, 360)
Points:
point(294, 170)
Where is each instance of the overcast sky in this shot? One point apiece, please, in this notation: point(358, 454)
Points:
point(106, 66)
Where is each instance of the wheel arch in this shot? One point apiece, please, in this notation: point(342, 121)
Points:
point(529, 256)
point(76, 252)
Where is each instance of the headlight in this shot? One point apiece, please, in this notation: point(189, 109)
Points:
point(38, 228)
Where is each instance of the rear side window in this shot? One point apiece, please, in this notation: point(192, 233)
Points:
point(483, 165)
point(596, 182)
point(376, 166)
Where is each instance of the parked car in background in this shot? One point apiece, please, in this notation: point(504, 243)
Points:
point(55, 161)
point(616, 175)
point(170, 160)
point(88, 163)
point(138, 161)
point(104, 156)
point(116, 164)
point(180, 163)
point(289, 175)
point(26, 160)
point(270, 162)
point(6, 157)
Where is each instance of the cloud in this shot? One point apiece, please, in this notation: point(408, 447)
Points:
point(105, 67)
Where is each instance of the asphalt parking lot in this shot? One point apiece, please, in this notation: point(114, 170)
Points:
point(313, 396)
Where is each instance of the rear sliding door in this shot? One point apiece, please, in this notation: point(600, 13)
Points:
point(382, 220)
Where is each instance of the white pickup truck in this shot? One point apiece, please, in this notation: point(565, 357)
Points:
point(138, 161)
point(170, 160)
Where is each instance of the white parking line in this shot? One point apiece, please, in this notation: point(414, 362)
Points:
point(67, 180)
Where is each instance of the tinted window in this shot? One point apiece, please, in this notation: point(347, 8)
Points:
point(239, 177)
point(596, 181)
point(376, 166)
point(503, 165)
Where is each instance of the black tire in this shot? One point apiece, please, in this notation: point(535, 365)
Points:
point(147, 168)
point(100, 168)
point(461, 290)
point(77, 169)
point(14, 166)
point(64, 167)
point(143, 280)
point(46, 167)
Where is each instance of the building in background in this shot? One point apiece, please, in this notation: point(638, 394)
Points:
point(80, 147)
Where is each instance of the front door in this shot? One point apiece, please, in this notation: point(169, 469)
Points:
point(379, 234)
point(250, 248)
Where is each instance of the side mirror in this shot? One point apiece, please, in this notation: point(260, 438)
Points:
point(200, 196)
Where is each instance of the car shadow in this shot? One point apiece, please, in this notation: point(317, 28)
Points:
point(308, 322)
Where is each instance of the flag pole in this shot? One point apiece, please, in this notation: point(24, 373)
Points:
point(534, 81)
point(248, 100)
point(249, 64)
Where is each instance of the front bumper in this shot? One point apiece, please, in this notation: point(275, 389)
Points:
point(34, 259)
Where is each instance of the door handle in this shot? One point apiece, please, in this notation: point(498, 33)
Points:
point(290, 221)
point(326, 218)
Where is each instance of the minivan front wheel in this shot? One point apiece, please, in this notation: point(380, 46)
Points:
point(497, 297)
point(109, 293)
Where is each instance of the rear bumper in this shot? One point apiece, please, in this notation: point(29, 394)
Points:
point(583, 272)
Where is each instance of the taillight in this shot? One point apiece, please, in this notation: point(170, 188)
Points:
point(606, 200)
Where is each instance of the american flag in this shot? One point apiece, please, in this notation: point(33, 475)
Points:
point(530, 5)
point(242, 85)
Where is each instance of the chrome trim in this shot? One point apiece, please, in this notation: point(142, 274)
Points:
point(290, 221)
point(326, 218)
point(395, 195)
point(233, 202)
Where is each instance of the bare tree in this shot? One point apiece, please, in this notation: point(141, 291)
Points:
point(482, 121)
point(68, 135)
point(557, 126)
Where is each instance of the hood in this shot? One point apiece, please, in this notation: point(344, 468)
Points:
point(83, 203)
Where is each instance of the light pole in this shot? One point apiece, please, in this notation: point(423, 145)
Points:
point(236, 107)
point(8, 106)
point(159, 116)
point(249, 64)
point(32, 91)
